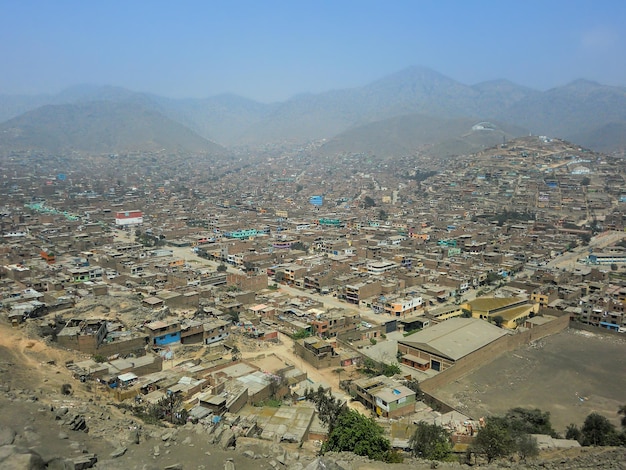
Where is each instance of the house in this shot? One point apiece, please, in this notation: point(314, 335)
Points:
point(384, 396)
point(162, 333)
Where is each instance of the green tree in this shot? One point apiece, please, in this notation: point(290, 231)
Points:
point(301, 334)
point(498, 320)
point(356, 433)
point(573, 432)
point(597, 430)
point(526, 446)
point(222, 268)
point(328, 407)
point(529, 421)
point(430, 441)
point(391, 369)
point(493, 441)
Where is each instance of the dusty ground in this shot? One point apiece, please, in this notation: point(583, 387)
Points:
point(570, 374)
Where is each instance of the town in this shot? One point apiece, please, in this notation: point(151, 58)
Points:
point(234, 289)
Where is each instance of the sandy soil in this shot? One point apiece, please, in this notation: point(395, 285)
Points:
point(570, 374)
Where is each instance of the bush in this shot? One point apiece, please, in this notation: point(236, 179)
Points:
point(356, 433)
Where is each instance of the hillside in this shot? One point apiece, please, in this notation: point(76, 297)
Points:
point(100, 127)
point(409, 134)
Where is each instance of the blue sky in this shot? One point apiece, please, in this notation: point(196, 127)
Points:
point(271, 50)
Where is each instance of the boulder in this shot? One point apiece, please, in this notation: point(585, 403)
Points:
point(7, 436)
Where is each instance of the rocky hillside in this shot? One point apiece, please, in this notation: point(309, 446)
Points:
point(50, 420)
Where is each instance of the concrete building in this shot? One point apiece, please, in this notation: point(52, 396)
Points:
point(441, 345)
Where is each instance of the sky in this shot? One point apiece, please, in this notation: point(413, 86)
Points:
point(272, 50)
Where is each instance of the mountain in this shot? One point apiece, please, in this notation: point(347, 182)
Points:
point(100, 127)
point(581, 107)
point(406, 135)
point(219, 118)
point(579, 110)
point(606, 138)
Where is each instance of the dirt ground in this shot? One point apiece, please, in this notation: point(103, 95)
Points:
point(571, 375)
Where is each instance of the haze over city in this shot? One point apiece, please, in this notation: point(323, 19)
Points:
point(270, 51)
point(306, 235)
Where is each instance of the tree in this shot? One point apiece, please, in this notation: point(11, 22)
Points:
point(368, 202)
point(498, 320)
point(622, 412)
point(301, 334)
point(298, 246)
point(414, 385)
point(356, 433)
point(526, 446)
point(391, 369)
point(430, 441)
point(222, 268)
point(169, 407)
point(328, 407)
point(529, 421)
point(597, 430)
point(235, 353)
point(573, 432)
point(493, 441)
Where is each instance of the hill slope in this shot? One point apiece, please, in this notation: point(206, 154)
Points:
point(100, 127)
point(408, 134)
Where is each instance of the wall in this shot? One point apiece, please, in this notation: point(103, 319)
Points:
point(595, 329)
point(124, 347)
point(492, 351)
point(311, 358)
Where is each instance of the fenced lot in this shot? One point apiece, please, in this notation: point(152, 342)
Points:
point(570, 374)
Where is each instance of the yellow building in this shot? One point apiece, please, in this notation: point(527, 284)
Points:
point(512, 311)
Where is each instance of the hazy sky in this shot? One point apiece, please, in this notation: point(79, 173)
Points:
point(270, 50)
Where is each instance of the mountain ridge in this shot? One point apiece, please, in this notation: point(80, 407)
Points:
point(232, 120)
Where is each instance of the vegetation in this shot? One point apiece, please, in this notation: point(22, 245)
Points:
point(222, 268)
point(149, 240)
point(299, 246)
point(511, 433)
point(414, 385)
point(371, 368)
point(368, 202)
point(328, 407)
point(353, 432)
point(498, 320)
point(597, 430)
point(169, 408)
point(431, 441)
point(493, 441)
point(529, 421)
point(622, 412)
point(301, 334)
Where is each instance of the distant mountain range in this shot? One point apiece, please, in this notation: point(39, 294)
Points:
point(413, 109)
point(101, 127)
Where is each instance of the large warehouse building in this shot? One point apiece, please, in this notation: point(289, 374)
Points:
point(441, 346)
